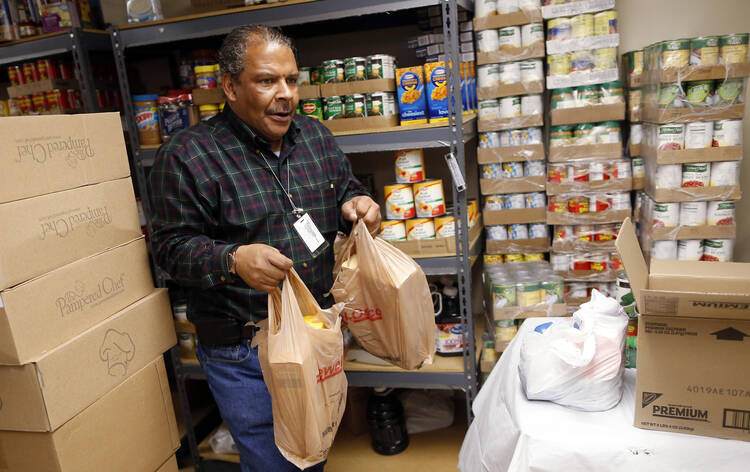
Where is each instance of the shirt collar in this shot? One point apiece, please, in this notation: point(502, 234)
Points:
point(247, 134)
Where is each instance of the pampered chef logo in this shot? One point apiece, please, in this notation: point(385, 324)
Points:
point(79, 298)
point(42, 150)
point(678, 412)
point(117, 350)
point(63, 223)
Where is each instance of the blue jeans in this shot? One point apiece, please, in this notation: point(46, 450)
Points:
point(236, 381)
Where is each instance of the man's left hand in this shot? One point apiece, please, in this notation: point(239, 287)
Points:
point(364, 208)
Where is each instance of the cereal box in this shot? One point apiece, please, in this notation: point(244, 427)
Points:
point(411, 100)
point(436, 80)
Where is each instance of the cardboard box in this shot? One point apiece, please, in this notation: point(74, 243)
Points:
point(308, 91)
point(202, 96)
point(512, 54)
point(45, 312)
point(577, 246)
point(518, 246)
point(169, 466)
point(495, 124)
point(599, 217)
point(439, 247)
point(362, 125)
point(521, 17)
point(45, 393)
point(588, 275)
point(589, 114)
point(576, 8)
point(507, 217)
point(588, 43)
point(692, 194)
point(130, 428)
point(509, 90)
point(358, 86)
point(585, 151)
point(576, 79)
point(512, 185)
point(533, 311)
point(639, 183)
point(61, 152)
point(693, 343)
point(717, 72)
point(685, 115)
point(610, 185)
point(46, 85)
point(690, 232)
point(529, 152)
point(43, 233)
point(712, 154)
point(635, 149)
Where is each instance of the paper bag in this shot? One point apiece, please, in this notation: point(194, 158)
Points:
point(303, 367)
point(388, 307)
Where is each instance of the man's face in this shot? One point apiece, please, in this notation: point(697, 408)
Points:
point(265, 96)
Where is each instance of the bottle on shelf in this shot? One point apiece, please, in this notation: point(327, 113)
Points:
point(385, 417)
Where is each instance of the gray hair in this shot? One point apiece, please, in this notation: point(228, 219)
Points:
point(231, 55)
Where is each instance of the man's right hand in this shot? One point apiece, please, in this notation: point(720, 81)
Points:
point(262, 267)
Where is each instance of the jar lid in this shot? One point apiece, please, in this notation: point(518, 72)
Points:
point(204, 69)
point(210, 107)
point(145, 98)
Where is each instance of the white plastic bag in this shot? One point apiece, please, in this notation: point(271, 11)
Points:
point(427, 410)
point(222, 442)
point(577, 362)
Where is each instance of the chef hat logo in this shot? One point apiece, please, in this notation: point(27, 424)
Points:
point(117, 351)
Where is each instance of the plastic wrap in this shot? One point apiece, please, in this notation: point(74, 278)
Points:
point(665, 221)
point(523, 289)
point(588, 208)
point(589, 176)
point(584, 238)
point(693, 182)
point(557, 8)
point(578, 362)
point(587, 267)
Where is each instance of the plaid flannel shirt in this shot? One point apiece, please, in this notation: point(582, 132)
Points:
point(212, 191)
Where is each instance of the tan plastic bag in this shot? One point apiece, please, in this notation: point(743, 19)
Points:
point(388, 304)
point(303, 367)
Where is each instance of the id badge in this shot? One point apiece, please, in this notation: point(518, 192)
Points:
point(309, 233)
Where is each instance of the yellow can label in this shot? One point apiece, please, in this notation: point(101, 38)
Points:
point(420, 228)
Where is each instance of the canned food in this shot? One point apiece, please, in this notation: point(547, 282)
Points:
point(583, 232)
point(588, 95)
point(399, 202)
point(583, 134)
point(381, 66)
point(582, 61)
point(510, 73)
point(530, 105)
point(528, 293)
point(580, 262)
point(557, 173)
point(725, 173)
point(510, 107)
point(489, 139)
point(492, 171)
point(489, 109)
point(488, 75)
point(605, 23)
point(608, 132)
point(697, 174)
point(512, 170)
point(533, 257)
point(538, 230)
point(596, 171)
point(690, 250)
point(639, 170)
point(612, 93)
point(316, 75)
point(605, 233)
point(605, 58)
point(355, 68)
point(615, 263)
point(393, 230)
point(531, 34)
point(333, 108)
point(505, 138)
point(508, 37)
point(505, 330)
point(635, 62)
point(733, 48)
point(409, 164)
point(505, 293)
point(665, 215)
point(354, 106)
point(39, 102)
point(557, 204)
point(15, 75)
point(533, 169)
point(670, 95)
point(558, 64)
point(516, 137)
point(312, 107)
point(533, 136)
point(563, 98)
point(704, 51)
point(46, 69)
point(381, 104)
point(445, 227)
point(577, 290)
point(582, 26)
point(698, 134)
point(720, 213)
point(488, 40)
point(727, 133)
point(671, 137)
point(531, 70)
point(561, 135)
point(30, 72)
point(675, 53)
point(598, 262)
point(535, 200)
point(636, 133)
point(24, 104)
point(330, 71)
point(578, 204)
point(730, 91)
point(515, 201)
point(620, 170)
point(559, 262)
point(619, 201)
point(495, 202)
point(599, 202)
point(718, 250)
point(693, 213)
point(553, 289)
point(428, 198)
point(559, 29)
point(497, 232)
point(664, 250)
point(420, 228)
point(483, 8)
point(700, 93)
point(304, 76)
point(473, 212)
point(493, 259)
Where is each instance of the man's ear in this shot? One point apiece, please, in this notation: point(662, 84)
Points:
point(229, 86)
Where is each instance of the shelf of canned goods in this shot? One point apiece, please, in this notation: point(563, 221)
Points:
point(359, 117)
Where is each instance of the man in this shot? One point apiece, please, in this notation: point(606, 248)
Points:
point(226, 196)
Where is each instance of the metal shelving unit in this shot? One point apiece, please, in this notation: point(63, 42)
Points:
point(76, 41)
point(462, 372)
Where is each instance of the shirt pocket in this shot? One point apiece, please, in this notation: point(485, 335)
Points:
point(320, 202)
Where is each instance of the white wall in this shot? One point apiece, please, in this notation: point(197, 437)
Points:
point(642, 22)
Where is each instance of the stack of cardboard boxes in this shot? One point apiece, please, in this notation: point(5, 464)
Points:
point(83, 385)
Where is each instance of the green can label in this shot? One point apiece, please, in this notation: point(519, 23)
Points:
point(354, 107)
point(668, 94)
point(554, 291)
point(330, 72)
point(505, 294)
point(333, 108)
point(730, 91)
point(734, 39)
point(699, 91)
point(312, 107)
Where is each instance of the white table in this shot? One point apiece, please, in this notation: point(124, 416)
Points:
point(511, 433)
